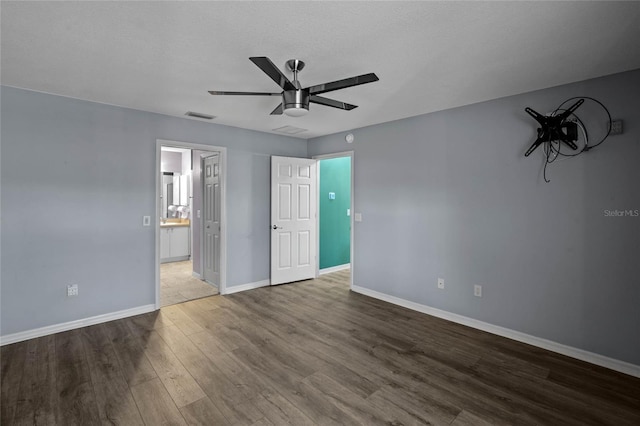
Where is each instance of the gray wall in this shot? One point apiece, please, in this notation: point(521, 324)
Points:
point(77, 177)
point(450, 194)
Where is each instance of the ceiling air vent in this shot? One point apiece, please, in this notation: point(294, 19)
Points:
point(199, 115)
point(289, 130)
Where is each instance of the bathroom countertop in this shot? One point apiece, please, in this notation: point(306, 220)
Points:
point(174, 224)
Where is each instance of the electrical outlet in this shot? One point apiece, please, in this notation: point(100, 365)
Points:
point(441, 283)
point(477, 290)
point(72, 290)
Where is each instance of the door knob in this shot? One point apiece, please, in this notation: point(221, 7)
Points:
point(276, 227)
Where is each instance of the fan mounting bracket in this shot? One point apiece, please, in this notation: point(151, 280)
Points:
point(295, 65)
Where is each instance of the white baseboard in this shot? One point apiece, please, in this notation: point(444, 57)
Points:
point(245, 287)
point(335, 269)
point(593, 358)
point(72, 325)
point(175, 259)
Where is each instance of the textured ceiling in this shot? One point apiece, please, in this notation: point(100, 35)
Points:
point(164, 56)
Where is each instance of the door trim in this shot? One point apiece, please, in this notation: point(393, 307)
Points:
point(223, 208)
point(342, 154)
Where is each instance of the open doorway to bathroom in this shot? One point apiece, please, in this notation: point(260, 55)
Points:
point(181, 258)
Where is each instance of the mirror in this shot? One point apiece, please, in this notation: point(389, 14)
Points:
point(184, 189)
point(167, 194)
point(175, 193)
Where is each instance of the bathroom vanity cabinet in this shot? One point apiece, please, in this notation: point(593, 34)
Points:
point(174, 243)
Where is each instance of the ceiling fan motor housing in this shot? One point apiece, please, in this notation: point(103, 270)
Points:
point(295, 102)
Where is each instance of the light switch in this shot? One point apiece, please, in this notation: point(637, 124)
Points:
point(358, 217)
point(348, 212)
point(332, 195)
point(146, 220)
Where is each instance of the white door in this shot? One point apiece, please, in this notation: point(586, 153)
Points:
point(211, 222)
point(293, 219)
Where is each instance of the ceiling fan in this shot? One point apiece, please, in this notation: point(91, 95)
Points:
point(295, 99)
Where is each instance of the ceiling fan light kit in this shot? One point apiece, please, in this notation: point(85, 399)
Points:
point(295, 99)
point(296, 110)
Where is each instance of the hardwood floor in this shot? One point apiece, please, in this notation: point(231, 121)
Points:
point(302, 354)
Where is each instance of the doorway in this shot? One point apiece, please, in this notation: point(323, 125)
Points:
point(335, 213)
point(181, 257)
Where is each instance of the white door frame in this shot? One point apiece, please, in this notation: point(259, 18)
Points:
point(223, 207)
point(349, 154)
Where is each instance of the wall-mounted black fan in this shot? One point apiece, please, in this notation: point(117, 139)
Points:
point(295, 99)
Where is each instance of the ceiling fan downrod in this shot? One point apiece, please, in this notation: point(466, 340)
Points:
point(295, 65)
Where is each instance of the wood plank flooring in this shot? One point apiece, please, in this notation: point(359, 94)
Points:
point(307, 353)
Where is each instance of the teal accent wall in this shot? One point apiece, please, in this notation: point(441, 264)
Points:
point(335, 225)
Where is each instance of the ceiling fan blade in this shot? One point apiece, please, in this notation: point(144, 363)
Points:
point(331, 102)
point(277, 111)
point(342, 84)
point(217, 92)
point(272, 71)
